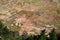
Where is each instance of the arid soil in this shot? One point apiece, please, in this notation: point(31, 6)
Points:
point(31, 16)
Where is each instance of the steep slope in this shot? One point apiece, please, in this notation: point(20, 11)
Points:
point(27, 15)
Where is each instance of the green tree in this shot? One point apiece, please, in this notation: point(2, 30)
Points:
point(30, 38)
point(20, 38)
point(53, 35)
point(1, 25)
point(5, 31)
point(0, 29)
point(24, 35)
point(43, 36)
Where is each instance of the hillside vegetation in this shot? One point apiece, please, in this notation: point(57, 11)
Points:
point(28, 15)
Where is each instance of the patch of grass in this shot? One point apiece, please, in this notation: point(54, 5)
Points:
point(33, 30)
point(3, 9)
point(58, 12)
point(57, 25)
point(33, 1)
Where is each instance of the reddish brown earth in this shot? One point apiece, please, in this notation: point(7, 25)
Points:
point(36, 16)
point(29, 17)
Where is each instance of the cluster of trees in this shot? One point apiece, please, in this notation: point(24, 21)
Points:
point(5, 34)
point(4, 31)
point(51, 36)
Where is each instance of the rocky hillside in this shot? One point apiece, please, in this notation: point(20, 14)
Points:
point(30, 15)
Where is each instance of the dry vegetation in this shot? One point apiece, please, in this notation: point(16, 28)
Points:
point(26, 15)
